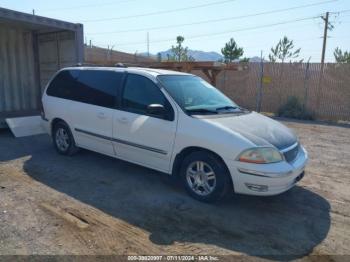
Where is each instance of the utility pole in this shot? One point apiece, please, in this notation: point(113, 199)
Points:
point(148, 44)
point(33, 11)
point(259, 94)
point(108, 52)
point(325, 33)
point(327, 26)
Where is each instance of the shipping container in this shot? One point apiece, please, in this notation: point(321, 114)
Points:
point(32, 49)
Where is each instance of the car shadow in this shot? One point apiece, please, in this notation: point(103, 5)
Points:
point(286, 226)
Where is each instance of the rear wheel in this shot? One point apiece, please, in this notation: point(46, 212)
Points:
point(63, 139)
point(205, 176)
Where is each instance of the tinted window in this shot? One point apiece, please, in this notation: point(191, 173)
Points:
point(97, 87)
point(62, 85)
point(139, 92)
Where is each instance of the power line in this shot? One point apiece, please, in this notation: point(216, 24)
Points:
point(340, 37)
point(247, 33)
point(216, 20)
point(228, 31)
point(159, 12)
point(250, 28)
point(340, 12)
point(345, 16)
point(258, 47)
point(86, 6)
point(210, 38)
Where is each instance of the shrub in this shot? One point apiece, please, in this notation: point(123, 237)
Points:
point(294, 109)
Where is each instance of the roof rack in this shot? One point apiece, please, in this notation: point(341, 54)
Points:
point(85, 64)
point(120, 65)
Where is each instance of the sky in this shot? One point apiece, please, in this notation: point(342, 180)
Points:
point(256, 25)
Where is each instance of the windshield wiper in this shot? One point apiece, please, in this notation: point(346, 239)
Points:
point(227, 108)
point(201, 110)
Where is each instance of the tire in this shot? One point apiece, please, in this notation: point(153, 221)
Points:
point(63, 139)
point(205, 176)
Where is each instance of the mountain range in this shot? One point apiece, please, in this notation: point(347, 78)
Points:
point(198, 55)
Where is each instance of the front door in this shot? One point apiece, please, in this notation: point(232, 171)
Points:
point(140, 136)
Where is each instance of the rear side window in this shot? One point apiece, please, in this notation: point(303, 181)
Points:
point(62, 85)
point(98, 87)
point(94, 87)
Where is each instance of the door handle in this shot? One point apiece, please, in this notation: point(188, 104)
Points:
point(123, 120)
point(101, 115)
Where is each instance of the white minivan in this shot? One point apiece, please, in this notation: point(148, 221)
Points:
point(175, 123)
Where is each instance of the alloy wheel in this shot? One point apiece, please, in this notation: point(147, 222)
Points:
point(62, 139)
point(201, 178)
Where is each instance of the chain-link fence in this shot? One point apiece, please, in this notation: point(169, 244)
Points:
point(268, 86)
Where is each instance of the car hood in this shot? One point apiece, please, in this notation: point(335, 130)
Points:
point(259, 129)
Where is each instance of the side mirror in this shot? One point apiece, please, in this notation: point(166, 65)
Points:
point(156, 109)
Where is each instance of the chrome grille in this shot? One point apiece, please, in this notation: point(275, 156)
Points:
point(292, 154)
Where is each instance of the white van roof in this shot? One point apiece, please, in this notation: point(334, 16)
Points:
point(151, 71)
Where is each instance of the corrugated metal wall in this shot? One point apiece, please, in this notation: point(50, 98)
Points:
point(27, 63)
point(18, 88)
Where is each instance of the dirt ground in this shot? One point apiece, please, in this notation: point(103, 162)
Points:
point(92, 204)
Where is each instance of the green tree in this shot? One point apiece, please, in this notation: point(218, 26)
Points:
point(244, 60)
point(159, 57)
point(341, 57)
point(179, 53)
point(231, 51)
point(284, 50)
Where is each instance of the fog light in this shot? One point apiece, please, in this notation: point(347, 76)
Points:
point(258, 188)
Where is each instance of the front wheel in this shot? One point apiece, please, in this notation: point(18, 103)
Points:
point(205, 176)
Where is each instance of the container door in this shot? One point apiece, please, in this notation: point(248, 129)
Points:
point(56, 51)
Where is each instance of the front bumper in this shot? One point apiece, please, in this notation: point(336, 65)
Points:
point(267, 179)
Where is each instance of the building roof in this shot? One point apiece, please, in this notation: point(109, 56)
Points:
point(34, 22)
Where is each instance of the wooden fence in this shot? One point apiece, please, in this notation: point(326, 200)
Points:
point(98, 55)
point(325, 95)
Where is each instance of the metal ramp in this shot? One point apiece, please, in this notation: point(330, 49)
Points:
point(25, 126)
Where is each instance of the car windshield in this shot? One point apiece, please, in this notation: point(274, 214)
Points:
point(196, 96)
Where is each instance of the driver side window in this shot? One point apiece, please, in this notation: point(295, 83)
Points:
point(140, 92)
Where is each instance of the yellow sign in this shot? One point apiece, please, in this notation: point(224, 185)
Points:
point(267, 79)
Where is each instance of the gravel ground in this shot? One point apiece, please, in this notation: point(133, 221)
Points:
point(92, 204)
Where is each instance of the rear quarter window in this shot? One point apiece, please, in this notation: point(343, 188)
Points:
point(62, 85)
point(98, 87)
point(95, 87)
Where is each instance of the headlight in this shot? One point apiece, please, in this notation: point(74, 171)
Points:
point(261, 155)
